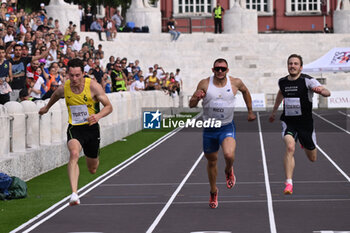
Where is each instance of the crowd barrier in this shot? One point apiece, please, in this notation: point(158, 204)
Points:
point(31, 144)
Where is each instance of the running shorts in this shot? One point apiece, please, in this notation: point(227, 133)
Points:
point(88, 137)
point(213, 137)
point(302, 131)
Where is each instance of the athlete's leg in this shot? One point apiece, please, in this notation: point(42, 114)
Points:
point(92, 164)
point(74, 148)
point(311, 154)
point(229, 147)
point(212, 169)
point(289, 162)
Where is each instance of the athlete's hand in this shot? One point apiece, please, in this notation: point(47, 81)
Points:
point(272, 117)
point(251, 116)
point(93, 119)
point(43, 110)
point(200, 94)
point(318, 89)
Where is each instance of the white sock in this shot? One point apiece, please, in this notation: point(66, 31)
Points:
point(289, 181)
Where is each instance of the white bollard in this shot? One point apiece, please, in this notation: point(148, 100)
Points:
point(56, 123)
point(5, 131)
point(44, 125)
point(32, 123)
point(64, 119)
point(18, 134)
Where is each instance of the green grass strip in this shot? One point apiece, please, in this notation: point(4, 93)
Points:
point(51, 187)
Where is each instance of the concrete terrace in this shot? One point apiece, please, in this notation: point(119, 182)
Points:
point(260, 59)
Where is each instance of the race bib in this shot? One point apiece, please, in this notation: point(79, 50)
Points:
point(217, 110)
point(292, 107)
point(79, 114)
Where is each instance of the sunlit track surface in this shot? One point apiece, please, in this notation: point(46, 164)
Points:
point(165, 190)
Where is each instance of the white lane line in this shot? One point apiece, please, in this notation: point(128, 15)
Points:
point(220, 183)
point(335, 125)
point(343, 113)
point(331, 231)
point(334, 164)
point(103, 177)
point(165, 208)
point(206, 202)
point(267, 182)
point(211, 232)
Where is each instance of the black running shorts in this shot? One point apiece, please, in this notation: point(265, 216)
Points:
point(88, 136)
point(302, 131)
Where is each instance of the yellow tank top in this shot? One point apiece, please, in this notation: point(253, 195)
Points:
point(80, 106)
point(152, 79)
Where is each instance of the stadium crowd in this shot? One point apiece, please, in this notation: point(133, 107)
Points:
point(34, 54)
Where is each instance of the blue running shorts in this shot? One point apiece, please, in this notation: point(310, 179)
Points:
point(213, 137)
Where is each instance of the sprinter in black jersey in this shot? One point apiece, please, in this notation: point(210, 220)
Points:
point(297, 90)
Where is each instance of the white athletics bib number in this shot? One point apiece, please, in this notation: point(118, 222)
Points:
point(292, 107)
point(217, 110)
point(79, 113)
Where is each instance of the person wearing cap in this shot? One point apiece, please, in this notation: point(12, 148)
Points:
point(42, 7)
point(150, 72)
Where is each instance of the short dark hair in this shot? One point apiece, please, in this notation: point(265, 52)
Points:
point(76, 62)
point(220, 60)
point(17, 45)
point(296, 56)
point(2, 47)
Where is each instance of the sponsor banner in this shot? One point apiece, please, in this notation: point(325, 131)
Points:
point(339, 99)
point(258, 102)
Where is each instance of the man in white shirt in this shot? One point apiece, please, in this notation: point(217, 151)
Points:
point(138, 85)
point(76, 44)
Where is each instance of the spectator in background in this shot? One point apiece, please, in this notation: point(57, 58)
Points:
point(54, 85)
point(76, 44)
point(218, 13)
point(98, 72)
point(130, 67)
point(5, 77)
point(118, 78)
point(9, 37)
point(138, 85)
point(124, 69)
point(88, 18)
point(178, 79)
point(42, 8)
point(117, 19)
point(107, 83)
point(81, 15)
point(137, 63)
point(152, 82)
point(110, 64)
point(172, 29)
point(90, 65)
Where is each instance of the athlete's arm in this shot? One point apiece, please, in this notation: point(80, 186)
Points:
point(59, 93)
point(278, 101)
point(247, 98)
point(199, 93)
point(99, 95)
point(322, 91)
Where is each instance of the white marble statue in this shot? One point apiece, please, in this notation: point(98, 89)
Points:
point(58, 2)
point(345, 5)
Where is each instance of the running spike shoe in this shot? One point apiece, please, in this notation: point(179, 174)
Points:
point(213, 201)
point(74, 199)
point(289, 189)
point(230, 179)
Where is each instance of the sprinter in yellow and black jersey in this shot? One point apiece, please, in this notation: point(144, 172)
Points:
point(82, 96)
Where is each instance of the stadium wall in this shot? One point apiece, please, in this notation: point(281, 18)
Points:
point(31, 144)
